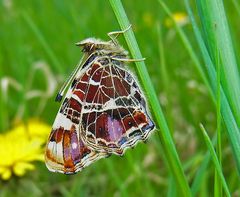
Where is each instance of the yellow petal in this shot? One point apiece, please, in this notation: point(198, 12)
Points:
point(35, 156)
point(21, 167)
point(38, 128)
point(2, 169)
point(24, 144)
point(6, 174)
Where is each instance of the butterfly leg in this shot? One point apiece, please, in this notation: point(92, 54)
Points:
point(113, 35)
point(128, 60)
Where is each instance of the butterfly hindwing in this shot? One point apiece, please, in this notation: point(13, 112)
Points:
point(114, 115)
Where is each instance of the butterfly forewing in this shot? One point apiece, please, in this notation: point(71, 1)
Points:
point(65, 150)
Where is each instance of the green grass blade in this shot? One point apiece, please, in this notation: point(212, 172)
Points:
point(117, 180)
point(233, 129)
point(198, 180)
point(217, 182)
point(171, 187)
point(217, 34)
point(189, 48)
point(43, 42)
point(164, 74)
point(167, 141)
point(163, 66)
point(215, 160)
point(237, 6)
point(226, 112)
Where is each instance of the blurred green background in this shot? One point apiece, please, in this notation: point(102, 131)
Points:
point(37, 54)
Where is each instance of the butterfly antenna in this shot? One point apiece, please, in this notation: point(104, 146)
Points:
point(62, 90)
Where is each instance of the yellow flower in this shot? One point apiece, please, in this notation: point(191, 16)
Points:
point(179, 17)
point(21, 146)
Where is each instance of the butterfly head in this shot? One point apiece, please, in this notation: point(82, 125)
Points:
point(90, 45)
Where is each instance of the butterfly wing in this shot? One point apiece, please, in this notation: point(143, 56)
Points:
point(65, 150)
point(104, 112)
point(66, 153)
point(114, 115)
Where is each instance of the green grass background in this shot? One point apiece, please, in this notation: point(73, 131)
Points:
point(45, 31)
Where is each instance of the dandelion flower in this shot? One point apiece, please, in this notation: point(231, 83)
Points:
point(21, 146)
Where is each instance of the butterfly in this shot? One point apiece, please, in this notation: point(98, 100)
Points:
point(103, 112)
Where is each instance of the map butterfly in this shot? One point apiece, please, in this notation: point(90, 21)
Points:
point(104, 111)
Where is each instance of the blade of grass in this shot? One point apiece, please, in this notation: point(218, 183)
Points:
point(117, 180)
point(226, 112)
point(164, 74)
point(227, 115)
point(217, 34)
point(229, 120)
point(163, 66)
point(215, 160)
point(171, 187)
point(43, 42)
point(198, 180)
point(167, 141)
point(202, 170)
point(188, 47)
point(217, 185)
point(135, 171)
point(237, 6)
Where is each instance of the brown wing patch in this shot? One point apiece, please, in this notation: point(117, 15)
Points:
point(66, 153)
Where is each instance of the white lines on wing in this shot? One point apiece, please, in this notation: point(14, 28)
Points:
point(59, 154)
point(62, 121)
point(101, 90)
point(111, 103)
point(74, 96)
point(92, 82)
